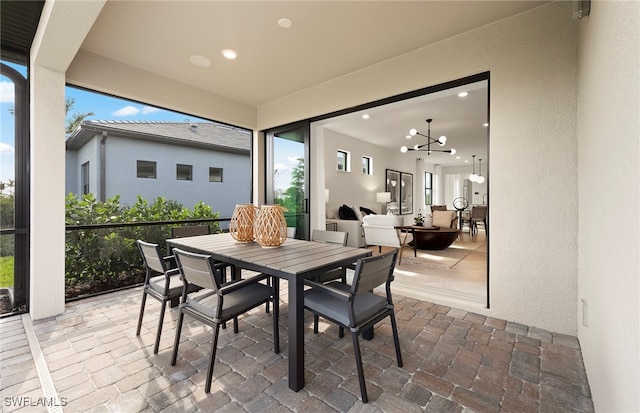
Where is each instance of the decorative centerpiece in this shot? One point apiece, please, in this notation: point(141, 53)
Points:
point(242, 223)
point(419, 219)
point(270, 228)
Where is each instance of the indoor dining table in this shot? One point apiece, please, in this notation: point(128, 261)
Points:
point(294, 261)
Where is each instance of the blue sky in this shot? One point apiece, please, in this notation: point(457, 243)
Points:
point(109, 108)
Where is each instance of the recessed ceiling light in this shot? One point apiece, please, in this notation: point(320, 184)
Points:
point(229, 54)
point(285, 23)
point(365, 116)
point(200, 60)
point(463, 94)
point(485, 124)
point(408, 136)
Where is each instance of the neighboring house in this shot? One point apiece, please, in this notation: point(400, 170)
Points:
point(186, 162)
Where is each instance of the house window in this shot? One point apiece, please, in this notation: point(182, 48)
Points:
point(146, 169)
point(367, 165)
point(184, 172)
point(84, 178)
point(215, 174)
point(344, 161)
point(428, 188)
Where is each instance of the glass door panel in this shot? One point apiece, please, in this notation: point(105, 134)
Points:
point(287, 175)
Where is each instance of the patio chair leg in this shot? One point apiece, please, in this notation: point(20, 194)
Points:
point(212, 360)
point(160, 322)
point(144, 300)
point(358, 356)
point(396, 340)
point(176, 343)
point(315, 323)
point(340, 332)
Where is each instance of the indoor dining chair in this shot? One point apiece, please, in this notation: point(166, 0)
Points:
point(357, 307)
point(217, 303)
point(161, 283)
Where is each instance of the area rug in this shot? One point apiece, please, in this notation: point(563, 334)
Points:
point(445, 259)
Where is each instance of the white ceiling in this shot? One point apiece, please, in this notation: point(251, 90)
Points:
point(328, 39)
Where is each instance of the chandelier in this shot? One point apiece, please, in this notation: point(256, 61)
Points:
point(427, 146)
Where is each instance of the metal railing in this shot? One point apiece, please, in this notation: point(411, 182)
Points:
point(101, 258)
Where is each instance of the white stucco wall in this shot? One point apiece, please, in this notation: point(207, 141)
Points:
point(609, 234)
point(532, 59)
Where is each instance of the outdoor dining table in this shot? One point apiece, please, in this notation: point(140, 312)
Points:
point(295, 260)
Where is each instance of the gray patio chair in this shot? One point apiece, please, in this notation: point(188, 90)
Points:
point(161, 283)
point(356, 307)
point(217, 303)
point(332, 237)
point(190, 231)
point(193, 231)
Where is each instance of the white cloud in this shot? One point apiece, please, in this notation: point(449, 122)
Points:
point(280, 167)
point(293, 159)
point(7, 92)
point(149, 109)
point(126, 111)
point(6, 148)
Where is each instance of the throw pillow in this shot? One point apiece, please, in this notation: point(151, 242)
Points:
point(346, 213)
point(367, 211)
point(358, 213)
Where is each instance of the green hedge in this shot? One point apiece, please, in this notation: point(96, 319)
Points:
point(103, 259)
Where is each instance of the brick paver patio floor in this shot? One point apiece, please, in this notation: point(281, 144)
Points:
point(454, 361)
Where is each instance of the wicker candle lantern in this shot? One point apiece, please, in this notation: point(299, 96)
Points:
point(242, 222)
point(270, 228)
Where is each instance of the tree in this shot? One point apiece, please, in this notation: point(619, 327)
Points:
point(76, 119)
point(293, 197)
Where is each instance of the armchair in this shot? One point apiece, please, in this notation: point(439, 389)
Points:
point(381, 230)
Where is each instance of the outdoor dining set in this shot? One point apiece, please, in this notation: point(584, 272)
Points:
point(214, 279)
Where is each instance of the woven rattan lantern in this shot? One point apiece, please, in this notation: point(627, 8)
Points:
point(270, 228)
point(242, 222)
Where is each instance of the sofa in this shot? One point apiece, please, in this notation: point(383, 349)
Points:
point(353, 227)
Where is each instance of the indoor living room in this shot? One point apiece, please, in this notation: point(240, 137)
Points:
point(458, 274)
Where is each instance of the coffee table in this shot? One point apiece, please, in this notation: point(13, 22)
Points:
point(429, 238)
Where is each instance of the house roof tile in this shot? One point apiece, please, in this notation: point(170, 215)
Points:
point(207, 135)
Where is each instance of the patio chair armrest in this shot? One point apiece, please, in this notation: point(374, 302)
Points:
point(328, 289)
point(235, 285)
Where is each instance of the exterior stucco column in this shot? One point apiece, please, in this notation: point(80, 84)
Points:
point(47, 215)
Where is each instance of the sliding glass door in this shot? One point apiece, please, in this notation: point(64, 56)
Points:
point(287, 174)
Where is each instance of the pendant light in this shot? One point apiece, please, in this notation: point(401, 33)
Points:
point(473, 177)
point(480, 178)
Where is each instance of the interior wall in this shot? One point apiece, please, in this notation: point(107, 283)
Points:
point(609, 223)
point(353, 188)
point(532, 60)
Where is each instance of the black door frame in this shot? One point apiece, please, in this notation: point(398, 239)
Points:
point(21, 190)
point(305, 128)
